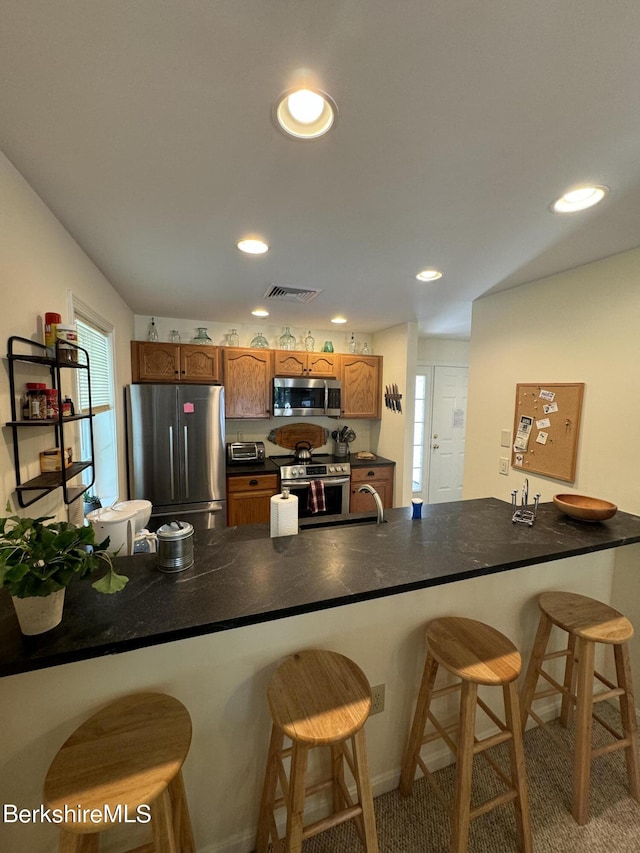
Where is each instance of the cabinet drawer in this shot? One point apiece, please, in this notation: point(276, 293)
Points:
point(250, 483)
point(373, 474)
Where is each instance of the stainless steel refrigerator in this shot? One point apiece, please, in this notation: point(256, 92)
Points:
point(176, 452)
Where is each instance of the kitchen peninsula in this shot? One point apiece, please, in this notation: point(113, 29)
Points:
point(212, 635)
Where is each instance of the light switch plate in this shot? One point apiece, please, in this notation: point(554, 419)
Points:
point(505, 438)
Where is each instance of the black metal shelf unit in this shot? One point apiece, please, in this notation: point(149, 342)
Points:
point(43, 484)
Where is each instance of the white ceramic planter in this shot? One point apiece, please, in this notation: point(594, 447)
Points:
point(39, 613)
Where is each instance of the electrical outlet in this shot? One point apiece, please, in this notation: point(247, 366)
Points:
point(504, 465)
point(377, 699)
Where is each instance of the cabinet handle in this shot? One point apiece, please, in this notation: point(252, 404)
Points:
point(253, 482)
point(371, 473)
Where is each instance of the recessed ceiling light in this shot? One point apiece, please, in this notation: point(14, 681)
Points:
point(305, 113)
point(252, 246)
point(429, 275)
point(260, 312)
point(579, 199)
point(339, 320)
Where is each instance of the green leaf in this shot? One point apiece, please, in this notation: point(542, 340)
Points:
point(111, 582)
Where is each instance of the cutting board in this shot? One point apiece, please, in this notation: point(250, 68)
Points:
point(288, 436)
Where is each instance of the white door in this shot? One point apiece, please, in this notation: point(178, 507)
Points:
point(448, 426)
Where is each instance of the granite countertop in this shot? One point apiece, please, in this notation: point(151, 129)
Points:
point(252, 468)
point(242, 577)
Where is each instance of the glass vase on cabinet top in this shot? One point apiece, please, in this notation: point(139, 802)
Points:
point(287, 340)
point(202, 337)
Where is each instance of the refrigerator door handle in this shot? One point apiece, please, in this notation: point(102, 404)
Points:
point(172, 476)
point(186, 462)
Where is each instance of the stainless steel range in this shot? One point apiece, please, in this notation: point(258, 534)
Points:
point(334, 474)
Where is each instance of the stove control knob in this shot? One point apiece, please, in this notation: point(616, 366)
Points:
point(301, 472)
point(339, 468)
point(331, 469)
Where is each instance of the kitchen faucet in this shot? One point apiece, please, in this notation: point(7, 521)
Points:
point(367, 488)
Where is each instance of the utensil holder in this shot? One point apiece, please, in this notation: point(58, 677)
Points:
point(342, 448)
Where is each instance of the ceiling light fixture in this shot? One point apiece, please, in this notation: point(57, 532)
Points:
point(260, 312)
point(252, 246)
point(339, 320)
point(429, 275)
point(579, 199)
point(305, 113)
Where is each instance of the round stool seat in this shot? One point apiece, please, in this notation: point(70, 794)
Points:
point(124, 755)
point(319, 697)
point(473, 651)
point(585, 617)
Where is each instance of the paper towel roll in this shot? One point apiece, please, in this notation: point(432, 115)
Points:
point(284, 515)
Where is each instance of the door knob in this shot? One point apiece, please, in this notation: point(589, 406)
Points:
point(436, 446)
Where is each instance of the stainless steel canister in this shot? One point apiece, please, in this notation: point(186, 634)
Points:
point(175, 546)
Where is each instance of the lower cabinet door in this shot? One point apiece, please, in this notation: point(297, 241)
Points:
point(249, 499)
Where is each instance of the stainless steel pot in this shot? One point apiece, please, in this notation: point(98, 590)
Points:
point(302, 454)
point(175, 546)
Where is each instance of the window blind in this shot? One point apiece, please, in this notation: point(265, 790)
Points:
point(97, 345)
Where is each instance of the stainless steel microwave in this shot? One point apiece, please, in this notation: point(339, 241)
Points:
point(302, 397)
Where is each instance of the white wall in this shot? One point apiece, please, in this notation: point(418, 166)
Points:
point(39, 264)
point(580, 326)
point(392, 435)
point(443, 351)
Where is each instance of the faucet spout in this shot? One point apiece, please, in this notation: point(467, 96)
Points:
point(368, 488)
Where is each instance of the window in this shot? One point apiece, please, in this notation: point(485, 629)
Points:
point(95, 336)
point(417, 477)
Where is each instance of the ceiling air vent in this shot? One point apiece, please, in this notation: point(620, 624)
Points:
point(290, 294)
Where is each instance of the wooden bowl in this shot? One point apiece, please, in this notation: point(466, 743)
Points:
point(584, 508)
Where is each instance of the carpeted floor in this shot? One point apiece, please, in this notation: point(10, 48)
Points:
point(418, 824)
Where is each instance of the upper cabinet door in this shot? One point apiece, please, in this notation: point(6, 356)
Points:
point(159, 362)
point(155, 362)
point(361, 386)
point(315, 364)
point(248, 379)
point(200, 364)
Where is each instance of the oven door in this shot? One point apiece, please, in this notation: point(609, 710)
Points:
point(336, 496)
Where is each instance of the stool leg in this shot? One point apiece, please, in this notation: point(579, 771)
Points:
point(628, 715)
point(567, 708)
point(337, 777)
point(461, 815)
point(266, 820)
point(584, 723)
point(518, 774)
point(535, 662)
point(295, 805)
point(181, 819)
point(365, 795)
point(75, 842)
point(419, 723)
point(162, 825)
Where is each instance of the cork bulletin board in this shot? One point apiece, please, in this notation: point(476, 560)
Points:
point(546, 428)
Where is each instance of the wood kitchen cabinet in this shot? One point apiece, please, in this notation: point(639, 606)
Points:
point(249, 498)
point(361, 386)
point(248, 377)
point(160, 362)
point(323, 365)
point(381, 478)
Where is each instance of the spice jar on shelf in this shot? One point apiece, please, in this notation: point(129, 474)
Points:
point(67, 342)
point(37, 401)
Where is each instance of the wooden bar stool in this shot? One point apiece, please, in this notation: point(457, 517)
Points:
point(586, 622)
point(477, 654)
point(123, 759)
point(316, 698)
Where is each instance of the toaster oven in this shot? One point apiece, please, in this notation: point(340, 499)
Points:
point(239, 452)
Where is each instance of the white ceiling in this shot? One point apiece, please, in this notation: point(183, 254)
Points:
point(145, 125)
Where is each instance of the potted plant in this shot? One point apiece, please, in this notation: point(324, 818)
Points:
point(91, 502)
point(38, 560)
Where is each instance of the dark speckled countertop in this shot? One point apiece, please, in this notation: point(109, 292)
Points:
point(242, 577)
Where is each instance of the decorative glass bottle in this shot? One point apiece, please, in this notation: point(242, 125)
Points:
point(260, 342)
point(287, 340)
point(309, 342)
point(202, 337)
point(152, 332)
point(352, 343)
point(365, 349)
point(232, 337)
point(174, 336)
